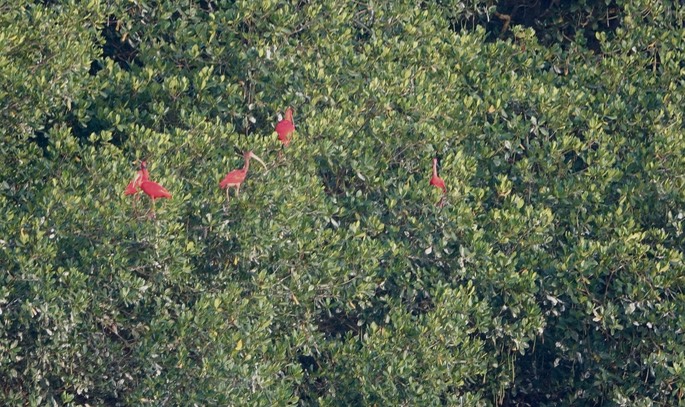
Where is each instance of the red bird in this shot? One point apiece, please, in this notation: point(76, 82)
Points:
point(134, 186)
point(438, 182)
point(236, 177)
point(151, 188)
point(285, 127)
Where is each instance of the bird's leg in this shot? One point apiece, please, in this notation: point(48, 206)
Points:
point(227, 200)
point(237, 191)
point(152, 215)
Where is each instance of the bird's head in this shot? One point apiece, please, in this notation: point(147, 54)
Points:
point(250, 154)
point(143, 165)
point(289, 114)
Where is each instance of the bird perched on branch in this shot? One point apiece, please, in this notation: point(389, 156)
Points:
point(133, 187)
point(286, 127)
point(438, 182)
point(150, 188)
point(236, 177)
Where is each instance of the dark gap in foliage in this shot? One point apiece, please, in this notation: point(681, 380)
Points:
point(579, 127)
point(95, 125)
point(108, 400)
point(339, 181)
point(547, 376)
point(242, 126)
point(530, 13)
point(592, 42)
point(40, 137)
point(421, 303)
point(95, 67)
point(337, 323)
point(655, 65)
point(362, 34)
point(362, 24)
point(577, 162)
point(212, 264)
point(521, 108)
point(116, 47)
point(308, 363)
point(301, 4)
point(168, 39)
point(327, 176)
point(314, 385)
point(657, 218)
point(191, 92)
point(312, 388)
point(554, 21)
point(80, 132)
point(562, 371)
point(208, 6)
point(263, 122)
point(244, 27)
point(458, 18)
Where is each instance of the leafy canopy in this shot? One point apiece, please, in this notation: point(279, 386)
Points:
point(552, 276)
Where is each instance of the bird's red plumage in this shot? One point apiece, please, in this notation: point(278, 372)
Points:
point(438, 182)
point(134, 186)
point(144, 176)
point(284, 128)
point(131, 188)
point(233, 177)
point(154, 190)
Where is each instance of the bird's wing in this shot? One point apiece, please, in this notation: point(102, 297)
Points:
point(131, 188)
point(155, 190)
point(233, 177)
point(163, 192)
point(284, 127)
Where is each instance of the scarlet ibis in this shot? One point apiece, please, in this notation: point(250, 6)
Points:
point(151, 188)
point(236, 177)
point(134, 186)
point(285, 127)
point(438, 182)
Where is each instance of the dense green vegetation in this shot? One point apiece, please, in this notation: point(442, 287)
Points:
point(553, 275)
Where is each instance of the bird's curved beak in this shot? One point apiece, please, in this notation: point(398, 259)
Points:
point(253, 155)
